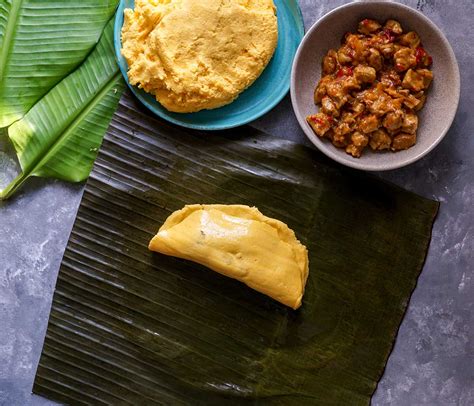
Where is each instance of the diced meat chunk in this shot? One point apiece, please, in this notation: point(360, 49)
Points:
point(396, 101)
point(344, 55)
point(359, 47)
point(382, 105)
point(417, 80)
point(404, 59)
point(340, 140)
point(319, 93)
point(336, 92)
point(321, 89)
point(421, 97)
point(411, 101)
point(329, 107)
point(368, 26)
point(412, 80)
point(368, 96)
point(349, 84)
point(364, 74)
point(320, 123)
point(330, 62)
point(357, 106)
point(427, 77)
point(380, 140)
point(359, 139)
point(348, 117)
point(344, 127)
point(410, 123)
point(410, 39)
point(375, 59)
point(403, 141)
point(393, 120)
point(394, 26)
point(390, 78)
point(353, 150)
point(387, 50)
point(369, 124)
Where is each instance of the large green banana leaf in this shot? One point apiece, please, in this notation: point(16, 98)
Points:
point(130, 327)
point(41, 41)
point(59, 137)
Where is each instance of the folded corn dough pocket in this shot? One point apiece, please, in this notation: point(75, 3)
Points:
point(239, 242)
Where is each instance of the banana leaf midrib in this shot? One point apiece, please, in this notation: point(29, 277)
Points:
point(8, 37)
point(55, 144)
point(76, 122)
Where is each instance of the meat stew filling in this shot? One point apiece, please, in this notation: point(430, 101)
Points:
point(372, 88)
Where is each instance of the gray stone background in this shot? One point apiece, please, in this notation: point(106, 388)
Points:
point(433, 359)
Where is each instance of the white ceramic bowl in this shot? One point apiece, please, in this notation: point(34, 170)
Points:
point(443, 96)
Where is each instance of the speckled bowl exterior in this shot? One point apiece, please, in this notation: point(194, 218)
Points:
point(443, 96)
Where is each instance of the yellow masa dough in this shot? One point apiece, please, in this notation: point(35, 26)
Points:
point(239, 242)
point(198, 54)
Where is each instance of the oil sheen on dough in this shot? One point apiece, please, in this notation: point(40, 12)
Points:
point(239, 242)
point(194, 55)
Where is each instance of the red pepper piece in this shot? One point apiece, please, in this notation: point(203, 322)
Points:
point(345, 71)
point(423, 57)
point(399, 67)
point(317, 120)
point(388, 34)
point(420, 53)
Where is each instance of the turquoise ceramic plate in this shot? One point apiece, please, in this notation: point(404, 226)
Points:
point(258, 99)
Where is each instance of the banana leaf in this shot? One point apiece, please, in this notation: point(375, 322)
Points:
point(41, 41)
point(128, 326)
point(60, 135)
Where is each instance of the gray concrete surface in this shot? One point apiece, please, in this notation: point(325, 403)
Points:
point(433, 359)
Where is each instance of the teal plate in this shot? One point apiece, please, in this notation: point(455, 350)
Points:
point(258, 99)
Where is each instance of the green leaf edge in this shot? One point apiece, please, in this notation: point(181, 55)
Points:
point(11, 27)
point(5, 52)
point(22, 177)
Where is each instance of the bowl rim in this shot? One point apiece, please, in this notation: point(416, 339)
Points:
point(299, 29)
point(328, 149)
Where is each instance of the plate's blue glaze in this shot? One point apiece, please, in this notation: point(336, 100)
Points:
point(258, 99)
